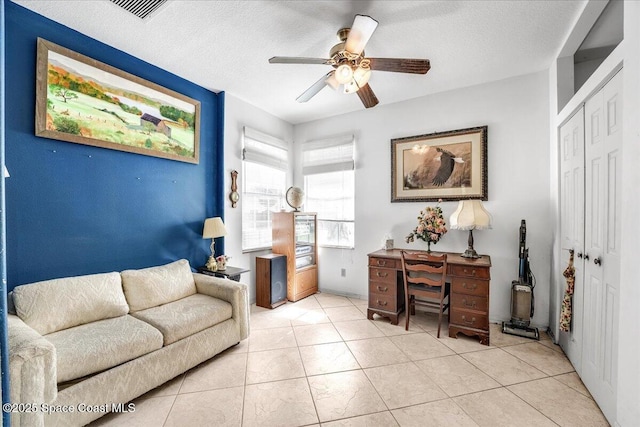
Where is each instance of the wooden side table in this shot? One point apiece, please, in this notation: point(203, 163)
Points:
point(232, 273)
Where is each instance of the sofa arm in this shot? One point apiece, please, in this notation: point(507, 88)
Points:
point(32, 369)
point(227, 290)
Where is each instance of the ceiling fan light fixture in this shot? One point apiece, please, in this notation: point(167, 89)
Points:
point(351, 87)
point(333, 82)
point(352, 69)
point(361, 76)
point(344, 74)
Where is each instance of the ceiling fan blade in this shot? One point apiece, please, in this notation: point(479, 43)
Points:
point(367, 96)
point(315, 88)
point(297, 60)
point(360, 33)
point(400, 65)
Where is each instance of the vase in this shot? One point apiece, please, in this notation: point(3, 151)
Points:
point(428, 246)
point(222, 265)
point(212, 265)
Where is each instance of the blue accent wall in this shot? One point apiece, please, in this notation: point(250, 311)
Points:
point(73, 209)
point(4, 343)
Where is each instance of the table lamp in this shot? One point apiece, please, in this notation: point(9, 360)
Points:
point(470, 215)
point(213, 227)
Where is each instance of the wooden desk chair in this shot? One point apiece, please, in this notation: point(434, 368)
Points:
point(424, 283)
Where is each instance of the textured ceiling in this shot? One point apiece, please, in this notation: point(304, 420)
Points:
point(225, 45)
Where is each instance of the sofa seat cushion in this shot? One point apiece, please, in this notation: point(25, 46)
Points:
point(94, 347)
point(57, 304)
point(185, 317)
point(154, 286)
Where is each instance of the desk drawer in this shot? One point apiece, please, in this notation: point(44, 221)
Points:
point(385, 262)
point(469, 319)
point(385, 302)
point(468, 271)
point(383, 275)
point(470, 302)
point(376, 287)
point(461, 285)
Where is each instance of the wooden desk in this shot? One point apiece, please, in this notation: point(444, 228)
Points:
point(469, 297)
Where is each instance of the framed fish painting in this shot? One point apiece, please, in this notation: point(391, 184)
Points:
point(448, 165)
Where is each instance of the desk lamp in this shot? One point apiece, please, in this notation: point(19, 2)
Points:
point(470, 215)
point(213, 227)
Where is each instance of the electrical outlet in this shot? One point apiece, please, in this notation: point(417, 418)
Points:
point(343, 272)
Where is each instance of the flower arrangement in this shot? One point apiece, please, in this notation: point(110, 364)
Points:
point(222, 258)
point(221, 261)
point(431, 226)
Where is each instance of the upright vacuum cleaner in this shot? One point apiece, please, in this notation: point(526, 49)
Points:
point(522, 301)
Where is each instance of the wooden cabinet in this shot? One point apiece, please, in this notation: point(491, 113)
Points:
point(295, 235)
point(469, 310)
point(469, 278)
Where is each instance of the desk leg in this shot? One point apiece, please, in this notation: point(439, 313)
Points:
point(393, 317)
point(455, 330)
point(235, 278)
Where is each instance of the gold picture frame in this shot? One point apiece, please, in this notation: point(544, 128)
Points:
point(84, 101)
point(444, 166)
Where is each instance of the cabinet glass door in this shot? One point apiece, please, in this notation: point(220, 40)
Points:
point(305, 235)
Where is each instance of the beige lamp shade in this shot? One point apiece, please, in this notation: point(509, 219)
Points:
point(470, 215)
point(213, 227)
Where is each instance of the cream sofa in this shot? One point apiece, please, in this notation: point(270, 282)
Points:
point(79, 346)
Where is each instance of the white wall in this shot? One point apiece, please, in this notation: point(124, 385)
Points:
point(516, 111)
point(629, 341)
point(238, 114)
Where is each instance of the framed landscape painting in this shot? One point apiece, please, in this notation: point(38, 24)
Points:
point(445, 165)
point(81, 100)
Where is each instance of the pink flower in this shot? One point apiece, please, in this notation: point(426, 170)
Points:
point(431, 225)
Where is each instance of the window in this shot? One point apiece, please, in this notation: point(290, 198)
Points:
point(328, 169)
point(263, 184)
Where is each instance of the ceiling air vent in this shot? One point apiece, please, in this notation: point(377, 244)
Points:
point(141, 8)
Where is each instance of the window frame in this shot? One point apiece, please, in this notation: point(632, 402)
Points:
point(259, 148)
point(340, 162)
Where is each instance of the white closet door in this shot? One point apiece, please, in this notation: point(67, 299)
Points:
point(572, 226)
point(603, 145)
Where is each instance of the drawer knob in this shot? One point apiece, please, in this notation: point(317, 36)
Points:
point(381, 289)
point(381, 274)
point(382, 303)
point(473, 272)
point(382, 262)
point(468, 322)
point(467, 304)
point(471, 287)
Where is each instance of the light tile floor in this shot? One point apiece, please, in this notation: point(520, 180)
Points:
point(321, 362)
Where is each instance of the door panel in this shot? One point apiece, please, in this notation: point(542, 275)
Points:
point(613, 216)
point(591, 323)
point(603, 145)
point(594, 232)
point(572, 226)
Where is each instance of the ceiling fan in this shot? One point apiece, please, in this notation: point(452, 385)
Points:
point(352, 69)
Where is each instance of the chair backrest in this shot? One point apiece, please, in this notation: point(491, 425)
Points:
point(423, 268)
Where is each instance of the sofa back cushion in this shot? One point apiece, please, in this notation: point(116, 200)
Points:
point(57, 304)
point(154, 286)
